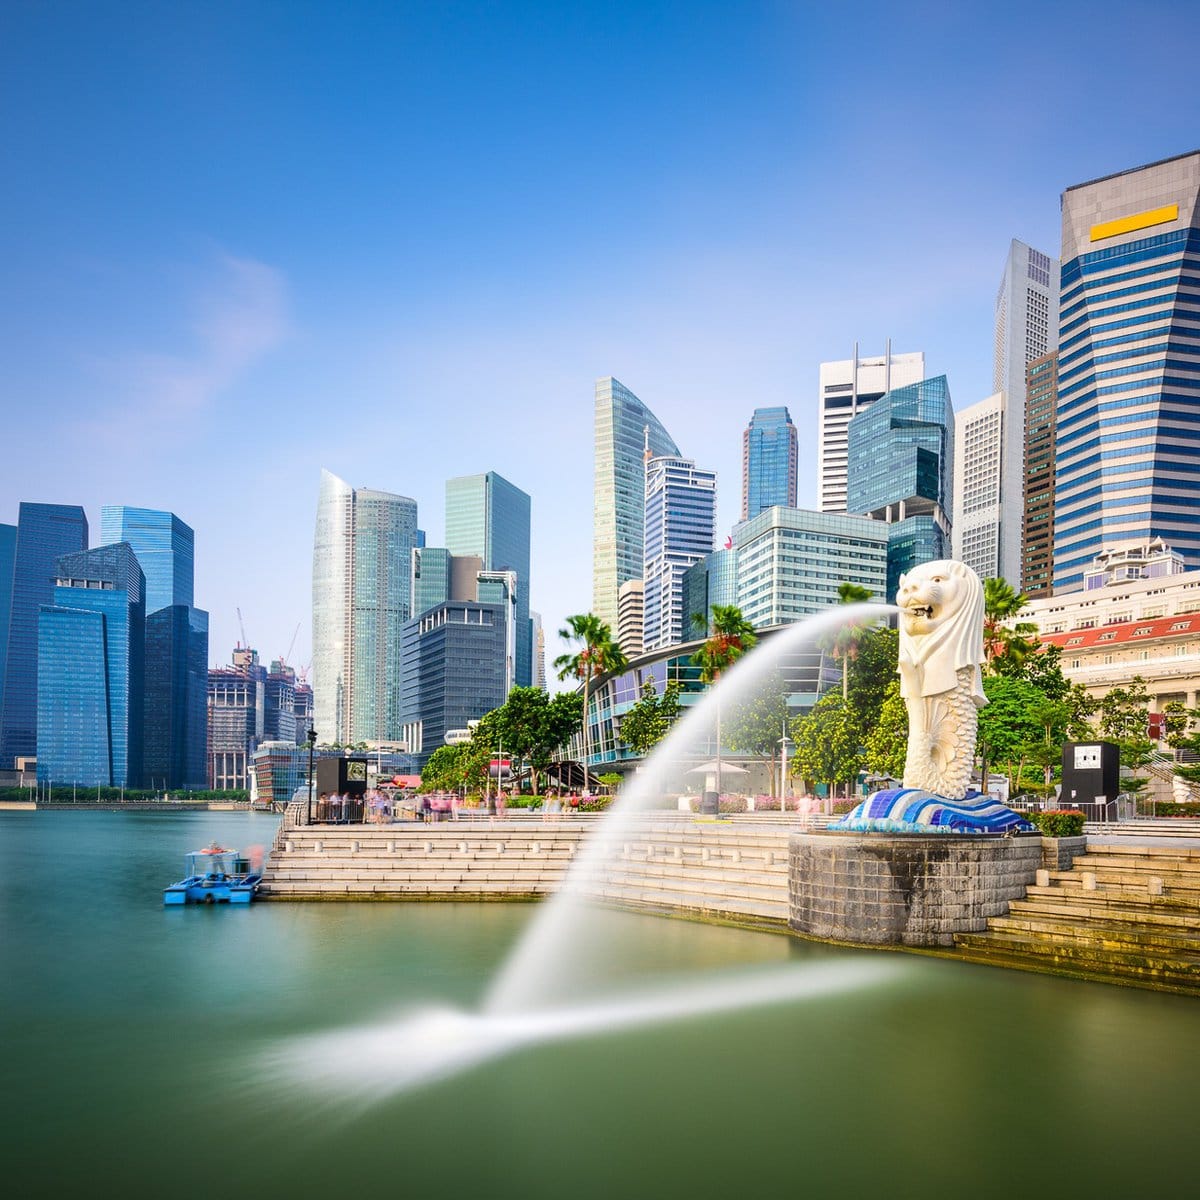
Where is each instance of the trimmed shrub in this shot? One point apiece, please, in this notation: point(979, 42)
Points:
point(1058, 823)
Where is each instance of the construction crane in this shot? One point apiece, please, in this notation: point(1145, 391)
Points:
point(242, 626)
point(291, 645)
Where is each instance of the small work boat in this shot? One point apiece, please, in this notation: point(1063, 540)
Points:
point(215, 875)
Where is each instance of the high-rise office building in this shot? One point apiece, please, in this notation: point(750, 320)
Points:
point(539, 651)
point(681, 523)
point(901, 454)
point(237, 706)
point(176, 733)
point(708, 582)
point(984, 492)
point(625, 429)
point(454, 671)
point(791, 562)
point(631, 615)
point(848, 388)
point(1041, 407)
point(1128, 451)
point(438, 576)
point(362, 580)
point(487, 517)
point(165, 549)
point(91, 641)
point(770, 457)
point(8, 558)
point(1026, 328)
point(45, 532)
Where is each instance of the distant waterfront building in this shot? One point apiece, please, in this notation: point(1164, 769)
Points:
point(91, 641)
point(901, 472)
point(279, 711)
point(362, 579)
point(176, 727)
point(539, 651)
point(681, 523)
point(624, 429)
point(237, 706)
point(438, 576)
point(982, 496)
point(8, 558)
point(770, 458)
point(631, 609)
point(488, 517)
point(165, 549)
point(45, 532)
point(1041, 405)
point(791, 561)
point(454, 671)
point(848, 388)
point(1128, 450)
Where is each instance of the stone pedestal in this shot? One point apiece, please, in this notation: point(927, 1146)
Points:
point(909, 889)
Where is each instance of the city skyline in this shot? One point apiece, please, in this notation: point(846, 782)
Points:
point(185, 304)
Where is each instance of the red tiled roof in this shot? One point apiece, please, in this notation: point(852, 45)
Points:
point(1125, 633)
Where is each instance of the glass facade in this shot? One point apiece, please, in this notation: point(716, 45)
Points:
point(91, 643)
point(236, 722)
point(489, 518)
point(681, 519)
point(901, 453)
point(790, 562)
point(165, 549)
point(8, 558)
point(623, 427)
point(769, 461)
point(1128, 412)
point(710, 581)
point(175, 743)
point(454, 671)
point(45, 532)
point(1041, 405)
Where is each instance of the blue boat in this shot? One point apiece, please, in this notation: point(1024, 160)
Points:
point(215, 875)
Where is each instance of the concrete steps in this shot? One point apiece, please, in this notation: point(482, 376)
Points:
point(1126, 913)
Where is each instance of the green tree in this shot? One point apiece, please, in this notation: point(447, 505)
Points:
point(756, 724)
point(887, 740)
point(651, 718)
point(598, 654)
point(1001, 602)
point(844, 642)
point(828, 743)
point(729, 638)
point(872, 674)
point(1124, 718)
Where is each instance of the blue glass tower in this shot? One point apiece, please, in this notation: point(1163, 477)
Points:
point(1128, 422)
point(90, 670)
point(488, 517)
point(770, 455)
point(8, 557)
point(901, 468)
point(175, 736)
point(45, 532)
point(165, 549)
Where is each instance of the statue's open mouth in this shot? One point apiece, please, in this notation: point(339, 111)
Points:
point(920, 610)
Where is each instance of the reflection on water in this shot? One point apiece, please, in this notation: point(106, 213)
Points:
point(134, 1039)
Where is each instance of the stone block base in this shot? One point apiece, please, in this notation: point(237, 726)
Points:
point(904, 889)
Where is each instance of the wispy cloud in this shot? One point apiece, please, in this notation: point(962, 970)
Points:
point(228, 324)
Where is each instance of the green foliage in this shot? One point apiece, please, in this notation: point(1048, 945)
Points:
point(887, 742)
point(872, 673)
point(1013, 643)
point(1063, 823)
point(755, 725)
point(650, 719)
point(451, 768)
point(598, 654)
point(1124, 718)
point(610, 780)
point(828, 742)
point(731, 636)
point(1150, 808)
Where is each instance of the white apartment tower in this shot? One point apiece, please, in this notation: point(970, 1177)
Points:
point(981, 517)
point(848, 388)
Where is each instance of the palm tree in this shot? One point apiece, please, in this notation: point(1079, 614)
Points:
point(730, 637)
point(598, 655)
point(845, 641)
point(1001, 602)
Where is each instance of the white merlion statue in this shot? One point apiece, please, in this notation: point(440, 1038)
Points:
point(941, 650)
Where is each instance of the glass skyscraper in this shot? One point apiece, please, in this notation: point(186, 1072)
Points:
point(165, 549)
point(901, 469)
point(90, 670)
point(176, 720)
point(769, 461)
point(487, 517)
point(681, 519)
point(8, 557)
point(45, 532)
point(624, 429)
point(1128, 423)
point(362, 581)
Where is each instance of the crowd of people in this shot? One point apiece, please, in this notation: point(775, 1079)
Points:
point(382, 807)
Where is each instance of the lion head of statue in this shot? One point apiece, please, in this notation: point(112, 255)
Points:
point(941, 626)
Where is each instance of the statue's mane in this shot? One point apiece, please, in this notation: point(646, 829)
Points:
point(929, 662)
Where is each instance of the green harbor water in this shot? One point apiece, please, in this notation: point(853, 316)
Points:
point(134, 1040)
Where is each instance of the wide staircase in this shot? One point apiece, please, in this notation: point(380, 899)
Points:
point(1127, 914)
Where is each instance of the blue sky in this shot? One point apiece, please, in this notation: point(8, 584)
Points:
point(242, 242)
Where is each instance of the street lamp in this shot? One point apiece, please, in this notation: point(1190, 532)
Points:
point(312, 742)
point(785, 744)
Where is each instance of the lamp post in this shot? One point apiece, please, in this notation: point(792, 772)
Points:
point(785, 744)
point(312, 742)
